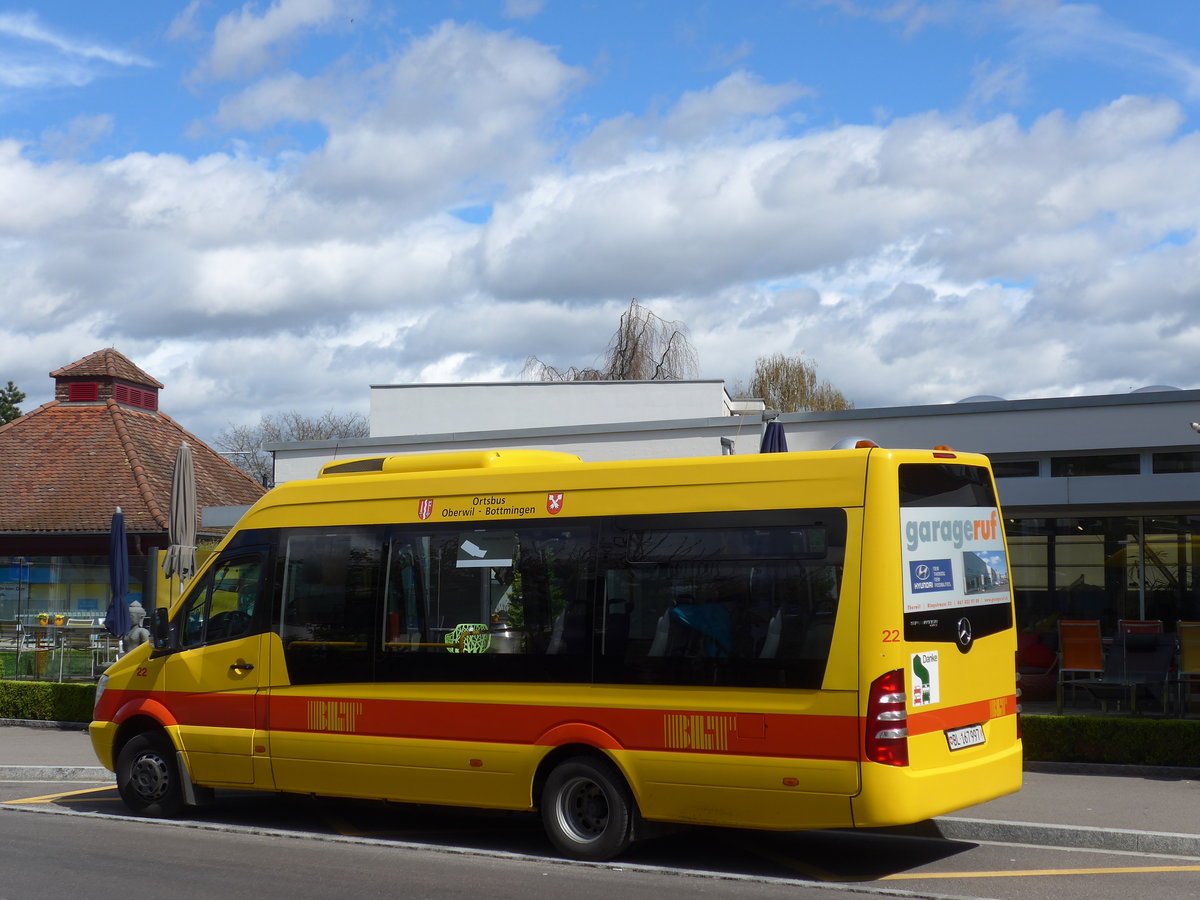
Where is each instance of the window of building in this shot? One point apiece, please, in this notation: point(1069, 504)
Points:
point(1106, 568)
point(132, 396)
point(1081, 466)
point(83, 392)
point(1015, 468)
point(1171, 463)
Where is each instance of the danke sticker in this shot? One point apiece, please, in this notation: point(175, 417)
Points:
point(926, 685)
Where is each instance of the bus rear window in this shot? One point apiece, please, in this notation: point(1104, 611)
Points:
point(939, 484)
point(954, 561)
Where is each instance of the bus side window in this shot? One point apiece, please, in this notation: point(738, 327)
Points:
point(749, 602)
point(334, 577)
point(222, 606)
point(404, 627)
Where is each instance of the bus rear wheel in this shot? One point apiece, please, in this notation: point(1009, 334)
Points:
point(148, 776)
point(587, 809)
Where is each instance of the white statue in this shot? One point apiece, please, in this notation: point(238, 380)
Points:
point(136, 634)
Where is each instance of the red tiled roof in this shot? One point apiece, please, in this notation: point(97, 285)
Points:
point(65, 467)
point(106, 363)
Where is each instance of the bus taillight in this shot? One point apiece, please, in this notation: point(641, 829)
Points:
point(887, 721)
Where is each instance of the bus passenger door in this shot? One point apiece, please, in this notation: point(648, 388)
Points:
point(213, 678)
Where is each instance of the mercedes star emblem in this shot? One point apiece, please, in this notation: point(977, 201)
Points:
point(963, 629)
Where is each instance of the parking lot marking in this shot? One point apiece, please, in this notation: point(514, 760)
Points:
point(49, 797)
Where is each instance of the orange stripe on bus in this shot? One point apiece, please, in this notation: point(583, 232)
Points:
point(731, 733)
point(610, 728)
point(974, 713)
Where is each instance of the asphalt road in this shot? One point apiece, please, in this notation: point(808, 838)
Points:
point(61, 839)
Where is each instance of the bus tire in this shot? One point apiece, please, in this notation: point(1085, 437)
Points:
point(148, 777)
point(587, 809)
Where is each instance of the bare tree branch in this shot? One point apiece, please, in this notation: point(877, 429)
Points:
point(243, 443)
point(643, 348)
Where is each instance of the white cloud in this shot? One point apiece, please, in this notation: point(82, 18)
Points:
point(246, 42)
point(38, 57)
point(78, 135)
point(185, 25)
point(27, 27)
point(1063, 30)
point(921, 260)
point(458, 107)
point(523, 9)
point(740, 106)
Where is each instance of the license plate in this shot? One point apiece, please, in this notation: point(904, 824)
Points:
point(971, 736)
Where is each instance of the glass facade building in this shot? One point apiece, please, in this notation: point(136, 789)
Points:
point(1104, 567)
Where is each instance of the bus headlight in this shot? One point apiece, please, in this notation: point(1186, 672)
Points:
point(100, 686)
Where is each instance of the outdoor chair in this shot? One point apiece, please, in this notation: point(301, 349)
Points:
point(11, 640)
point(78, 637)
point(1080, 655)
point(1138, 665)
point(1139, 626)
point(1037, 666)
point(1187, 672)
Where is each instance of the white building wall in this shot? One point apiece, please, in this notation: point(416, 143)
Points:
point(422, 409)
point(647, 420)
point(635, 440)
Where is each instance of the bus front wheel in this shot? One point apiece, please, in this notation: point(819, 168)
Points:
point(587, 809)
point(148, 777)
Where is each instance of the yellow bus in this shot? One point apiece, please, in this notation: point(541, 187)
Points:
point(783, 641)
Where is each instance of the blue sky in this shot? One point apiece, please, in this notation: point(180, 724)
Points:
point(271, 206)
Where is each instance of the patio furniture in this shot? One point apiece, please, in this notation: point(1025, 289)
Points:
point(12, 641)
point(1139, 626)
point(1187, 671)
point(1138, 665)
point(77, 635)
point(1080, 655)
point(1037, 666)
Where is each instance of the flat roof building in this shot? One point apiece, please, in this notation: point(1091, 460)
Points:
point(1101, 494)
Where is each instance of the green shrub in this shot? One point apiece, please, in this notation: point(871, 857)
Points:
point(1118, 741)
point(48, 701)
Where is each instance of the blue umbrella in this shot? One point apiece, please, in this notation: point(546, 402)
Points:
point(117, 620)
point(773, 439)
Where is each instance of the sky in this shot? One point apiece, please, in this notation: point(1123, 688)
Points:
point(272, 206)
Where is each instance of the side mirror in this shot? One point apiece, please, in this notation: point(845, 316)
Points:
point(160, 629)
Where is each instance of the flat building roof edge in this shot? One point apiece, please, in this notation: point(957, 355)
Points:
point(715, 423)
point(987, 406)
point(527, 384)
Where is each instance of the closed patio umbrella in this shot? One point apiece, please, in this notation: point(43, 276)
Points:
point(117, 620)
point(773, 439)
point(181, 554)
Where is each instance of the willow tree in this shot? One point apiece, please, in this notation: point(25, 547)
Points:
point(243, 444)
point(790, 384)
point(644, 347)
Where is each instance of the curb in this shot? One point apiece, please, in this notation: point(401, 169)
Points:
point(46, 723)
point(1122, 770)
point(1077, 836)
